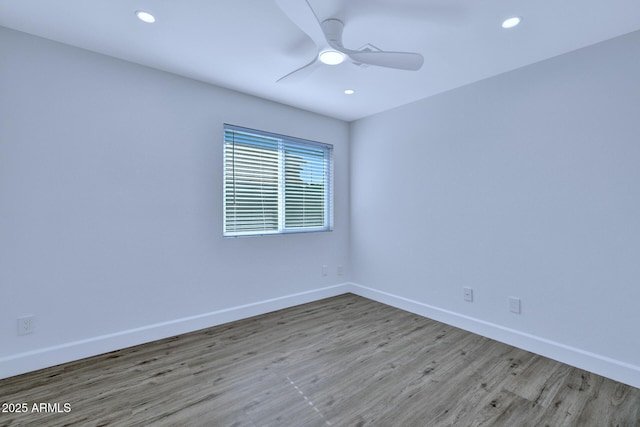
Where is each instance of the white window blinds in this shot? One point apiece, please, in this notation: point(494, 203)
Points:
point(275, 183)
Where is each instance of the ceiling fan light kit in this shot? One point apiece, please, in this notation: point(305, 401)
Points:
point(331, 57)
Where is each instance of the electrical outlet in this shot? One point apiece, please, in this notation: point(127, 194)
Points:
point(340, 270)
point(325, 270)
point(25, 325)
point(514, 305)
point(468, 294)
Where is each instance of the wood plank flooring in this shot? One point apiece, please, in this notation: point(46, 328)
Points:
point(343, 361)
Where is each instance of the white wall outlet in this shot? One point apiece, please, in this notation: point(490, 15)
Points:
point(468, 294)
point(325, 270)
point(25, 325)
point(340, 270)
point(514, 305)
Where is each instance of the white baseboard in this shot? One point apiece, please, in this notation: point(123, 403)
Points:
point(602, 365)
point(50, 356)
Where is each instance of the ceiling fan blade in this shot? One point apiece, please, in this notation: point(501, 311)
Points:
point(400, 60)
point(301, 13)
point(333, 28)
point(301, 73)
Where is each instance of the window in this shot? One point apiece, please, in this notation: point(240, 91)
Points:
point(275, 184)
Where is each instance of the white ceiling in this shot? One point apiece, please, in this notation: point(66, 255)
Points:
point(247, 45)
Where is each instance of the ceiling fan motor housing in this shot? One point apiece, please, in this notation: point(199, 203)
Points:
point(333, 31)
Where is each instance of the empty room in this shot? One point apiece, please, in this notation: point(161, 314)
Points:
point(319, 213)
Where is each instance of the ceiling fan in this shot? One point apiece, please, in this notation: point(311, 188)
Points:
point(327, 35)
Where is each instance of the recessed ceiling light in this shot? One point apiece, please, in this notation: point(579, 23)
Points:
point(145, 16)
point(331, 57)
point(349, 92)
point(511, 22)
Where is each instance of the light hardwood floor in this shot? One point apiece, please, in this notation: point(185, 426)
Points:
point(343, 361)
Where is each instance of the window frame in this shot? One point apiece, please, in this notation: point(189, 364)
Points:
point(284, 142)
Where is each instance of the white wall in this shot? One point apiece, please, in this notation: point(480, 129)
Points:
point(111, 206)
point(526, 184)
